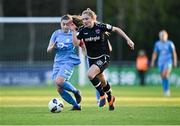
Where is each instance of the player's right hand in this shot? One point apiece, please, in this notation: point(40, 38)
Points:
point(131, 44)
point(175, 65)
point(152, 64)
point(72, 26)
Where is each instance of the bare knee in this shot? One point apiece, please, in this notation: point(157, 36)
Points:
point(165, 74)
point(59, 81)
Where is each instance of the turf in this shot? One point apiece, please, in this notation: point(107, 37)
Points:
point(134, 106)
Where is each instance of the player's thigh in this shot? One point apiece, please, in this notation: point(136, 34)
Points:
point(97, 66)
point(93, 71)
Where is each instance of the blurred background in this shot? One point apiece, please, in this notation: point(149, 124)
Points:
point(23, 56)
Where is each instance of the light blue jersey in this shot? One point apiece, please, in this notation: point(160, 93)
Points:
point(65, 57)
point(164, 51)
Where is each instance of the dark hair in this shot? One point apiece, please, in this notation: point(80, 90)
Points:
point(66, 17)
point(77, 20)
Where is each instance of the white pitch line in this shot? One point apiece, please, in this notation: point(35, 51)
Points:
point(45, 98)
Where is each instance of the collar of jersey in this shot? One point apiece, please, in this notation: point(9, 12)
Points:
point(61, 31)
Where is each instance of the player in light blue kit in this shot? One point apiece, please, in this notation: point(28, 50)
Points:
point(165, 51)
point(64, 62)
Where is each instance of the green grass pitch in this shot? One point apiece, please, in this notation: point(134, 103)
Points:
point(134, 106)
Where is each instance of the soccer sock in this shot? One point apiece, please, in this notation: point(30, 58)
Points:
point(107, 90)
point(97, 84)
point(97, 96)
point(69, 87)
point(165, 82)
point(68, 98)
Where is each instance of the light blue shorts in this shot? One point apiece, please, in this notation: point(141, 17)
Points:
point(63, 70)
point(166, 66)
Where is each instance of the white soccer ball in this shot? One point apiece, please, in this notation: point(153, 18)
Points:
point(55, 105)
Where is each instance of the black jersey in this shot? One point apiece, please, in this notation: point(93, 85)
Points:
point(95, 39)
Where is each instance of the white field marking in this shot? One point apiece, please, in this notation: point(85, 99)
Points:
point(93, 105)
point(120, 99)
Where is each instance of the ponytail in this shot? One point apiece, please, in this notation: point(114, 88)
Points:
point(77, 20)
point(91, 13)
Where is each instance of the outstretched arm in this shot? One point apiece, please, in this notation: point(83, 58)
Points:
point(121, 33)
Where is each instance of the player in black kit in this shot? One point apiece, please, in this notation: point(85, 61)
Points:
point(94, 36)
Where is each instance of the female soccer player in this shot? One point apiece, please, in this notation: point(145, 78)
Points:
point(93, 34)
point(64, 62)
point(165, 50)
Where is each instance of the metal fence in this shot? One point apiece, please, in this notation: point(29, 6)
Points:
point(24, 40)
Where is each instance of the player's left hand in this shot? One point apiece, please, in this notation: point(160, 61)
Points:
point(131, 44)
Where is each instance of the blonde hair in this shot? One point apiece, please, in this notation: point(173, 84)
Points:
point(91, 13)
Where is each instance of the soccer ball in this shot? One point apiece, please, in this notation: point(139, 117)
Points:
point(55, 105)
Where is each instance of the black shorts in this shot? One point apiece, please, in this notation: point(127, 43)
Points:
point(101, 62)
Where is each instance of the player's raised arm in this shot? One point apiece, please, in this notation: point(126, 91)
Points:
point(76, 23)
point(121, 33)
point(76, 41)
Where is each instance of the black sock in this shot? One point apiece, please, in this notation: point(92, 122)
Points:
point(107, 90)
point(97, 84)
